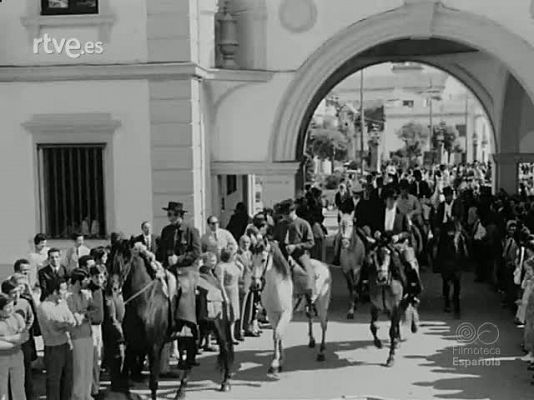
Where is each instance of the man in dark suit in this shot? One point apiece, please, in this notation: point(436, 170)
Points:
point(53, 272)
point(147, 238)
point(420, 188)
point(180, 243)
point(390, 220)
point(179, 248)
point(451, 210)
point(298, 243)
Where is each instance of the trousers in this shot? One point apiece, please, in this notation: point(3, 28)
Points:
point(12, 376)
point(97, 356)
point(451, 279)
point(82, 368)
point(58, 364)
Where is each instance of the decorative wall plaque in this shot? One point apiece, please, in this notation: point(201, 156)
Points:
point(298, 15)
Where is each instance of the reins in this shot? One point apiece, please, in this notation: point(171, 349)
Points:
point(140, 292)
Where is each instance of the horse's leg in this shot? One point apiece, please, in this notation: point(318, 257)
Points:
point(349, 278)
point(374, 328)
point(281, 350)
point(394, 334)
point(311, 343)
point(322, 303)
point(154, 360)
point(275, 363)
point(180, 394)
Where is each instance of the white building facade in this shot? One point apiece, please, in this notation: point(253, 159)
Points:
point(101, 142)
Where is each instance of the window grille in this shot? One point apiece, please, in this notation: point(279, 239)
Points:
point(71, 186)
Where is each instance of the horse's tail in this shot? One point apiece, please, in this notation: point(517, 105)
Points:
point(225, 359)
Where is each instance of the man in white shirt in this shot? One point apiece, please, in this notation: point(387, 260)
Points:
point(216, 238)
point(38, 257)
point(147, 238)
point(74, 253)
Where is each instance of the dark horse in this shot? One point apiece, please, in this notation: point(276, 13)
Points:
point(148, 321)
point(386, 290)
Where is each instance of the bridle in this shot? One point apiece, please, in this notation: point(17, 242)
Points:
point(125, 272)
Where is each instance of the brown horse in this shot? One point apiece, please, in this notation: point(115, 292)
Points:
point(148, 317)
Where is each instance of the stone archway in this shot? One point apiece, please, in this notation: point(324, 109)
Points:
point(417, 20)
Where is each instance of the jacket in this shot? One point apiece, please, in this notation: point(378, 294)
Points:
point(183, 241)
point(47, 275)
point(152, 245)
point(299, 233)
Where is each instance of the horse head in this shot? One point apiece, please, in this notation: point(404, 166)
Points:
point(382, 258)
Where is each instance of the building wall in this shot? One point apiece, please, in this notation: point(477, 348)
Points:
point(129, 173)
point(126, 42)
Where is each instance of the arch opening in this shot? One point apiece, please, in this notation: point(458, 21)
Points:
point(402, 101)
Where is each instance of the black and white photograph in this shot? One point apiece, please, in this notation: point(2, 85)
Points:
point(267, 199)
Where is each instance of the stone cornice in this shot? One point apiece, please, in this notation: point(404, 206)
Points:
point(256, 168)
point(72, 123)
point(82, 72)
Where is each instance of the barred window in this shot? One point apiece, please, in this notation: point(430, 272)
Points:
point(71, 186)
point(60, 7)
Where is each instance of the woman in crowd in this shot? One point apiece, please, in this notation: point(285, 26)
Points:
point(228, 274)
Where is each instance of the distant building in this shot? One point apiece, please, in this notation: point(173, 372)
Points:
point(411, 92)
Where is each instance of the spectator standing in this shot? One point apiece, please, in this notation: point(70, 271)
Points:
point(98, 279)
point(79, 302)
point(51, 273)
point(228, 274)
point(22, 307)
point(112, 333)
point(216, 238)
point(38, 257)
point(13, 334)
point(343, 201)
point(244, 262)
point(74, 253)
point(147, 238)
point(238, 221)
point(55, 319)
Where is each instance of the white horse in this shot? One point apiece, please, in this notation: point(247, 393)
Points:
point(278, 296)
point(350, 252)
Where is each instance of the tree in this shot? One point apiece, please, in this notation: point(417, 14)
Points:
point(328, 144)
point(413, 135)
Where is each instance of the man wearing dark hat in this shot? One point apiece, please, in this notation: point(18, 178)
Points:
point(180, 243)
point(390, 219)
point(179, 249)
point(298, 243)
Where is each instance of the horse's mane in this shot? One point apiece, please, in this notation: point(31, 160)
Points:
point(280, 264)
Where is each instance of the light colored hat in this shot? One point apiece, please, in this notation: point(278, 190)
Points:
point(391, 170)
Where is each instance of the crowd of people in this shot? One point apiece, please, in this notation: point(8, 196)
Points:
point(70, 300)
point(464, 225)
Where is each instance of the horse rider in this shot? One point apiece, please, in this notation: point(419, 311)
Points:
point(391, 222)
point(298, 242)
point(179, 251)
